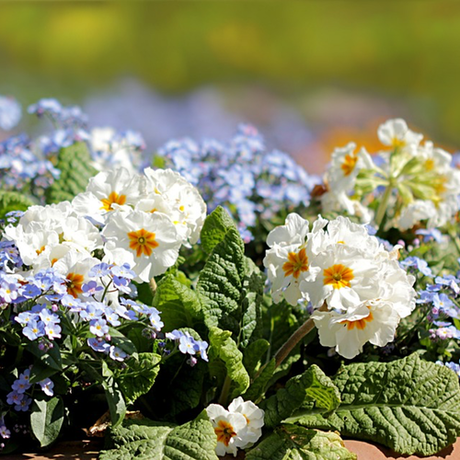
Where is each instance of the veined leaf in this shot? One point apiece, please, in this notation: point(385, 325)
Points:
point(215, 228)
point(147, 440)
point(13, 201)
point(290, 442)
point(46, 420)
point(224, 348)
point(409, 405)
point(313, 387)
point(74, 162)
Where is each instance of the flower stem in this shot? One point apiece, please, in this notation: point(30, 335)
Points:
point(225, 390)
point(381, 211)
point(295, 338)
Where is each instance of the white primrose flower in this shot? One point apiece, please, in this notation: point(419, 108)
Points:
point(238, 427)
point(108, 190)
point(75, 267)
point(253, 415)
point(149, 243)
point(345, 166)
point(370, 321)
point(396, 134)
point(287, 260)
point(180, 199)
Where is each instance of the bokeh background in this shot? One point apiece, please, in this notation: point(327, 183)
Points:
point(310, 74)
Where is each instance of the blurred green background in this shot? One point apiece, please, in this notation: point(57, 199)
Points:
point(343, 65)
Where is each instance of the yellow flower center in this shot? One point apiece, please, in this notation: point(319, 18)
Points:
point(74, 283)
point(349, 163)
point(143, 242)
point(429, 164)
point(359, 323)
point(297, 263)
point(224, 432)
point(398, 143)
point(338, 275)
point(113, 198)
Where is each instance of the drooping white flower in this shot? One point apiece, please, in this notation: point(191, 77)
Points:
point(149, 243)
point(370, 321)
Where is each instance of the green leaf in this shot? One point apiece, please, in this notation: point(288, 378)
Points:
point(290, 442)
point(215, 228)
point(409, 405)
point(147, 440)
point(74, 162)
point(46, 420)
point(51, 358)
point(139, 376)
point(180, 306)
point(13, 201)
point(313, 387)
point(252, 297)
point(254, 354)
point(114, 396)
point(223, 347)
point(259, 385)
point(221, 283)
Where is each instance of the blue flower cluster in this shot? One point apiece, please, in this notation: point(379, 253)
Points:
point(258, 187)
point(189, 345)
point(27, 164)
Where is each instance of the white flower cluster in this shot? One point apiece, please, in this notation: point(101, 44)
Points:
point(422, 184)
point(238, 427)
point(339, 265)
point(139, 220)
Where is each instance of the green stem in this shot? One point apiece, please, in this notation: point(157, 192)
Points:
point(381, 211)
point(225, 390)
point(455, 240)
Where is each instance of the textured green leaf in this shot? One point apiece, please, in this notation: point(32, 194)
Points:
point(252, 297)
point(46, 420)
point(139, 376)
point(290, 442)
point(223, 347)
point(13, 201)
point(147, 440)
point(180, 306)
point(221, 283)
point(114, 396)
point(215, 228)
point(313, 385)
point(74, 162)
point(409, 405)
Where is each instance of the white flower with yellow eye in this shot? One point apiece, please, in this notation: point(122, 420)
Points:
point(346, 275)
point(187, 209)
point(396, 134)
point(254, 418)
point(345, 166)
point(287, 260)
point(370, 321)
point(238, 427)
point(75, 267)
point(149, 243)
point(108, 190)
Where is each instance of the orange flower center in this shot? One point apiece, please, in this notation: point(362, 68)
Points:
point(349, 164)
point(113, 198)
point(297, 263)
point(224, 432)
point(39, 251)
point(338, 275)
point(143, 242)
point(74, 283)
point(359, 323)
